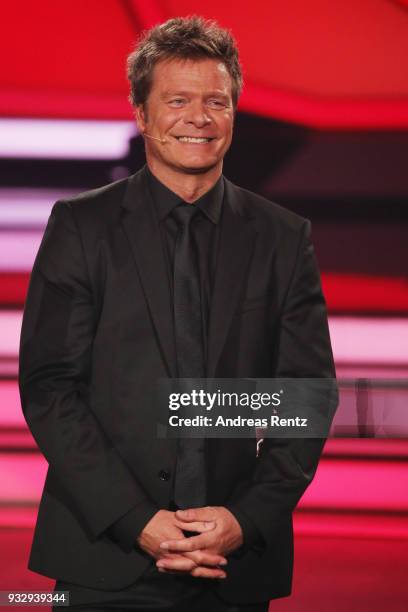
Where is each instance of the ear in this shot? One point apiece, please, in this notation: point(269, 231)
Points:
point(140, 117)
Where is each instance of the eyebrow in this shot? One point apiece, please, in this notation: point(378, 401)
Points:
point(216, 93)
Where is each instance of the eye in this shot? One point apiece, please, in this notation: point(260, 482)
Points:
point(214, 103)
point(177, 102)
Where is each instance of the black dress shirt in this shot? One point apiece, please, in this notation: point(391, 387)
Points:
point(205, 229)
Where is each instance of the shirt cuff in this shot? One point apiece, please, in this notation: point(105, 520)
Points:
point(126, 530)
point(252, 537)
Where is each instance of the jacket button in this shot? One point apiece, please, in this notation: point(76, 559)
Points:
point(164, 475)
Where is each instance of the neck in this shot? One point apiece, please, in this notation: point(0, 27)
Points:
point(189, 187)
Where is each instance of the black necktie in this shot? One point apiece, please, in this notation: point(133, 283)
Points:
point(190, 485)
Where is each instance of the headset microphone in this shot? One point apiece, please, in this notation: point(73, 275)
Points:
point(162, 140)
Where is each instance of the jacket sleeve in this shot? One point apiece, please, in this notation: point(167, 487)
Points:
point(55, 362)
point(286, 466)
point(126, 530)
point(251, 536)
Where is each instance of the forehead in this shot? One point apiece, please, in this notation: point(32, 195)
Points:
point(185, 74)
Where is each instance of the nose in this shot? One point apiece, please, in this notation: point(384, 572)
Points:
point(197, 114)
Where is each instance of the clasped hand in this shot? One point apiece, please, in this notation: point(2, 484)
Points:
point(201, 555)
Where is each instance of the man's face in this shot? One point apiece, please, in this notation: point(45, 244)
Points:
point(190, 106)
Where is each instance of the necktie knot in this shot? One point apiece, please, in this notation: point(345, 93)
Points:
point(183, 214)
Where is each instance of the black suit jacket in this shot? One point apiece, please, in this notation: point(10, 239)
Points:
point(97, 334)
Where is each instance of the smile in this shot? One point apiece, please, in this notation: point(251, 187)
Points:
point(193, 140)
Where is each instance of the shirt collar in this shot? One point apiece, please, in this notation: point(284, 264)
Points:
point(165, 199)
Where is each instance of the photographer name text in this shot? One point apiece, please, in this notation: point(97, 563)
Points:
point(238, 421)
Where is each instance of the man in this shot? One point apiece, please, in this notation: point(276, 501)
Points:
point(172, 272)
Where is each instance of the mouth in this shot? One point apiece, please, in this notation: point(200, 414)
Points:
point(194, 139)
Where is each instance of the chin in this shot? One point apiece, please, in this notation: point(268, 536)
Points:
point(199, 167)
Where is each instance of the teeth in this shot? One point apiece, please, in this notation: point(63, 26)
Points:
point(192, 139)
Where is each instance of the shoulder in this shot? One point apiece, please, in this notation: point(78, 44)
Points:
point(99, 209)
point(95, 202)
point(107, 192)
point(267, 215)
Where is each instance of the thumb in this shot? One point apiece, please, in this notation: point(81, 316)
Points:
point(195, 514)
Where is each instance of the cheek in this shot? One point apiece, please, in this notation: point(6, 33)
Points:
point(165, 119)
point(172, 118)
point(227, 134)
point(227, 125)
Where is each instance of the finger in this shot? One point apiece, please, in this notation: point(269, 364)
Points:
point(200, 526)
point(188, 544)
point(200, 557)
point(196, 514)
point(167, 555)
point(206, 572)
point(176, 563)
point(203, 557)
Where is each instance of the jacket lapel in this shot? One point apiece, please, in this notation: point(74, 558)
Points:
point(142, 230)
point(237, 241)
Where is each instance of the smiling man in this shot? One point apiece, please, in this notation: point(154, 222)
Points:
point(172, 272)
point(188, 120)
